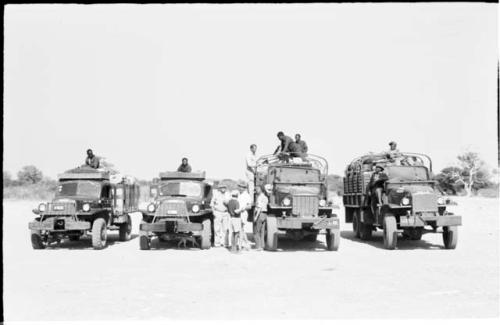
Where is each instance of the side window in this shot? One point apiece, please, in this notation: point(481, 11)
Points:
point(105, 192)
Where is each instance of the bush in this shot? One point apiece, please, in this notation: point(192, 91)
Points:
point(488, 192)
point(29, 175)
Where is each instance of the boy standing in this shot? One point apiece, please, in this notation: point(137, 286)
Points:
point(233, 207)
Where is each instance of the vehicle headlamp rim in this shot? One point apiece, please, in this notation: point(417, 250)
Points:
point(440, 201)
point(42, 207)
point(195, 208)
point(86, 207)
point(322, 203)
point(151, 207)
point(286, 201)
point(405, 201)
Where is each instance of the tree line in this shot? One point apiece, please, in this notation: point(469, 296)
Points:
point(468, 176)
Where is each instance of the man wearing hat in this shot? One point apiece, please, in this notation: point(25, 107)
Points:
point(260, 215)
point(218, 204)
point(376, 186)
point(245, 202)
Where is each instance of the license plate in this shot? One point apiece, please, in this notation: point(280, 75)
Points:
point(58, 207)
point(172, 211)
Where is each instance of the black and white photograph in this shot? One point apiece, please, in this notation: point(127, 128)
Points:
point(250, 161)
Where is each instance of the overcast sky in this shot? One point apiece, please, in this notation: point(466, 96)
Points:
point(145, 85)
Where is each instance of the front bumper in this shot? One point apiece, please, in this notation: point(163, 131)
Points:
point(307, 222)
point(55, 225)
point(421, 221)
point(171, 226)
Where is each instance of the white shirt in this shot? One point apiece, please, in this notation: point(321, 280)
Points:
point(219, 201)
point(245, 202)
point(262, 202)
point(251, 161)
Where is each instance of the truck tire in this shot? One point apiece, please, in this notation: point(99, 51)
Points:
point(125, 231)
point(356, 222)
point(332, 239)
point(450, 237)
point(36, 240)
point(271, 234)
point(206, 234)
point(390, 232)
point(144, 243)
point(99, 233)
point(365, 231)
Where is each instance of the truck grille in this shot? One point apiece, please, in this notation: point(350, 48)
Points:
point(172, 208)
point(61, 208)
point(424, 202)
point(303, 205)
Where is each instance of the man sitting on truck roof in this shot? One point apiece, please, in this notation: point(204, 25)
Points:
point(91, 160)
point(184, 167)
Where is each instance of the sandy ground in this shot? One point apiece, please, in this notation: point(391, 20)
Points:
point(301, 280)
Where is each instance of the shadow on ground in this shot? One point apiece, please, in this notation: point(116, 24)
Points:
point(85, 243)
point(378, 242)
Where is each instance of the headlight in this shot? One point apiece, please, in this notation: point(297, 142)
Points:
point(440, 201)
point(86, 207)
point(195, 208)
point(286, 201)
point(151, 208)
point(322, 203)
point(42, 207)
point(405, 201)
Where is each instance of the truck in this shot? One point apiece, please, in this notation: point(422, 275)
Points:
point(412, 205)
point(87, 201)
point(298, 203)
point(180, 209)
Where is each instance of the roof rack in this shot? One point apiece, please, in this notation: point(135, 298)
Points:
point(309, 160)
point(200, 176)
point(381, 158)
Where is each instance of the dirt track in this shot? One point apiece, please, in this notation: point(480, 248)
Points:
point(302, 280)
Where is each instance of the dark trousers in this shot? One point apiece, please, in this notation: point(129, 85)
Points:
point(259, 234)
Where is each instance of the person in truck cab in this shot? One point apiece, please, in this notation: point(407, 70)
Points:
point(376, 185)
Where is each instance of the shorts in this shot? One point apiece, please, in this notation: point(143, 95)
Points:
point(235, 224)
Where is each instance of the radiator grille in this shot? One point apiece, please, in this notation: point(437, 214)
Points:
point(172, 208)
point(424, 202)
point(305, 205)
point(61, 208)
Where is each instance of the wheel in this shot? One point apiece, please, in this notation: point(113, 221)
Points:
point(206, 235)
point(271, 234)
point(74, 237)
point(99, 233)
point(390, 232)
point(365, 231)
point(311, 238)
point(144, 242)
point(36, 240)
point(332, 239)
point(356, 223)
point(450, 237)
point(126, 230)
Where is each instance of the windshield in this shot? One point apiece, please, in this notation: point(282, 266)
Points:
point(79, 188)
point(401, 173)
point(181, 188)
point(296, 175)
